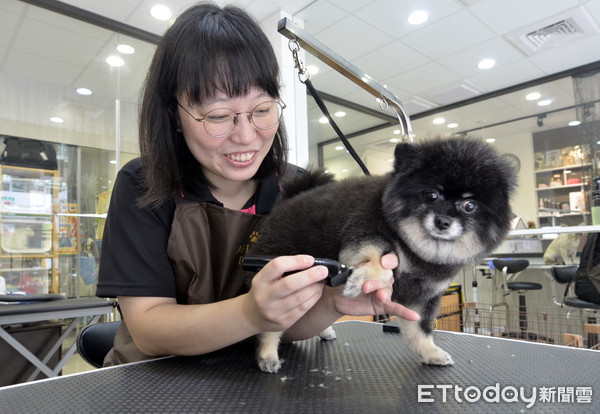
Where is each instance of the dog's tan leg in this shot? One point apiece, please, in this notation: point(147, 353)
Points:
point(423, 345)
point(328, 334)
point(367, 266)
point(267, 355)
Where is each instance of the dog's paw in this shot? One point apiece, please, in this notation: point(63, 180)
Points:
point(354, 284)
point(437, 356)
point(270, 365)
point(328, 334)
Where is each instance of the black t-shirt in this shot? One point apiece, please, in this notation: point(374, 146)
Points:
point(134, 259)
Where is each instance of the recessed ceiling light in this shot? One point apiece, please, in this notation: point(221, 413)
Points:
point(115, 61)
point(397, 131)
point(339, 148)
point(340, 114)
point(394, 140)
point(452, 125)
point(57, 119)
point(418, 17)
point(439, 121)
point(323, 120)
point(390, 160)
point(160, 12)
point(125, 49)
point(533, 96)
point(544, 102)
point(490, 140)
point(312, 69)
point(114, 162)
point(345, 170)
point(574, 123)
point(84, 91)
point(486, 63)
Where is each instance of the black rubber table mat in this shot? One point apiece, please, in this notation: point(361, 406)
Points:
point(364, 371)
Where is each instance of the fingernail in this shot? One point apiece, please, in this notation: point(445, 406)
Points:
point(308, 259)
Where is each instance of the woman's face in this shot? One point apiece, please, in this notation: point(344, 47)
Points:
point(237, 156)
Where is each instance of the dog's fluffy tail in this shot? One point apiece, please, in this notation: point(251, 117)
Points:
point(304, 182)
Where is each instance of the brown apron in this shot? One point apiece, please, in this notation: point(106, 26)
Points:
point(206, 245)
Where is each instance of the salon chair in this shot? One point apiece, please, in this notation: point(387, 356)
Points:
point(563, 275)
point(510, 266)
point(94, 342)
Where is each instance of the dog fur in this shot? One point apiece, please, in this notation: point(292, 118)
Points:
point(445, 205)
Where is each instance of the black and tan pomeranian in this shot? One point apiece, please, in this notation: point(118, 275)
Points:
point(445, 204)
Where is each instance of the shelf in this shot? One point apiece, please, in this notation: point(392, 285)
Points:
point(566, 167)
point(552, 230)
point(558, 215)
point(26, 269)
point(560, 187)
point(30, 226)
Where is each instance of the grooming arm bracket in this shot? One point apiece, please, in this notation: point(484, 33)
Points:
point(327, 56)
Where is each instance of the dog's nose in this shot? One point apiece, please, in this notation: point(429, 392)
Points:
point(443, 222)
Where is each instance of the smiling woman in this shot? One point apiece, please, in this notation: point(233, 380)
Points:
point(182, 215)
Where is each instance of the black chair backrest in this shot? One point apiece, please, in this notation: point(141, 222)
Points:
point(94, 341)
point(564, 274)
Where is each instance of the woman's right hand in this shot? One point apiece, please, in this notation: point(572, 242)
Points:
point(275, 302)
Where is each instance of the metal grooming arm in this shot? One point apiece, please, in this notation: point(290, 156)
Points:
point(332, 59)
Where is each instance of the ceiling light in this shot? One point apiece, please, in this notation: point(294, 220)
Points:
point(57, 119)
point(345, 170)
point(125, 49)
point(418, 17)
point(490, 140)
point(452, 125)
point(312, 69)
point(340, 114)
point(533, 96)
point(486, 64)
point(394, 140)
point(323, 120)
point(397, 131)
point(544, 102)
point(160, 12)
point(439, 121)
point(115, 61)
point(574, 123)
point(84, 91)
point(390, 160)
point(339, 148)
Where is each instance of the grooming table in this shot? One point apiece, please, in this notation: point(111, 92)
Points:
point(364, 370)
point(28, 312)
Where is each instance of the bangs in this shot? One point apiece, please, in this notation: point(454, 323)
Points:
point(232, 75)
point(225, 60)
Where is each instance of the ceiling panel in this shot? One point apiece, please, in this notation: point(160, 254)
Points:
point(450, 35)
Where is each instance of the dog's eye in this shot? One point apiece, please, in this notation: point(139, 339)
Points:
point(431, 196)
point(468, 206)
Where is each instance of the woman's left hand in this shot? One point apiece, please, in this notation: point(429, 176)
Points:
point(376, 297)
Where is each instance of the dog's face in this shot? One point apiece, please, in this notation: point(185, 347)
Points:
point(448, 199)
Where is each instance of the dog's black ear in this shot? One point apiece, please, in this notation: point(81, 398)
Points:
point(404, 156)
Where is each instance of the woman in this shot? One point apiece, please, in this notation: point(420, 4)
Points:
point(182, 215)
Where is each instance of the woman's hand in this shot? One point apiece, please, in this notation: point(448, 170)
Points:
point(376, 297)
point(274, 302)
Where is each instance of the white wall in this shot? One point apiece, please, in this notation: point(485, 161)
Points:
point(524, 202)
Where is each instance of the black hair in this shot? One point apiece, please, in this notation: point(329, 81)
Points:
point(207, 50)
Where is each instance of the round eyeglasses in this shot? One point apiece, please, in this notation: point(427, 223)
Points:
point(220, 122)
